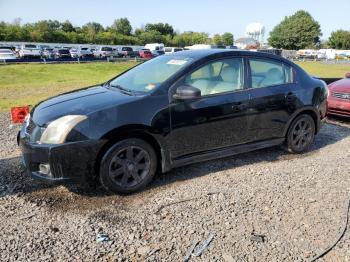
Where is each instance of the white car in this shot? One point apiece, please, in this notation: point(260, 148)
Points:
point(155, 48)
point(198, 47)
point(7, 54)
point(29, 51)
point(80, 52)
point(104, 51)
point(85, 52)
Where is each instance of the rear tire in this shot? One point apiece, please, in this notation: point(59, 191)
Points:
point(301, 134)
point(128, 166)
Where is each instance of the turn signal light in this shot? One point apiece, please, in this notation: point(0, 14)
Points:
point(19, 113)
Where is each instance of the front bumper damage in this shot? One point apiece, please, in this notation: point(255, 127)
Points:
point(72, 162)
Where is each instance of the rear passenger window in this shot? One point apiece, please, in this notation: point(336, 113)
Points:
point(269, 73)
point(218, 77)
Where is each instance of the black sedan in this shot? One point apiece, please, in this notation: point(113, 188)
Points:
point(172, 111)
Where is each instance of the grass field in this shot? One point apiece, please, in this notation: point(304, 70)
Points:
point(27, 84)
point(321, 69)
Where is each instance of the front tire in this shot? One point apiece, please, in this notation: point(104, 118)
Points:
point(128, 166)
point(301, 134)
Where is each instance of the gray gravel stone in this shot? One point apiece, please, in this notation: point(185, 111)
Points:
point(296, 201)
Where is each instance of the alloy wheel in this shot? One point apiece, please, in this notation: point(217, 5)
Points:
point(302, 134)
point(129, 166)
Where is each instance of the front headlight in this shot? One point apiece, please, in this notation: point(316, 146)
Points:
point(57, 131)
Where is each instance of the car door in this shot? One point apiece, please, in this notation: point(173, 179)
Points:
point(217, 118)
point(272, 92)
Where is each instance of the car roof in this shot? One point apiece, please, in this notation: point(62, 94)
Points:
point(203, 53)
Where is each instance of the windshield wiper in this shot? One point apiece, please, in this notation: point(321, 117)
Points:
point(121, 88)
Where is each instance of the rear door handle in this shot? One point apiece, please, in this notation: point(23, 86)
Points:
point(290, 97)
point(238, 106)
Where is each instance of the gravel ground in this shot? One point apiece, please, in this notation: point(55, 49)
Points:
point(296, 201)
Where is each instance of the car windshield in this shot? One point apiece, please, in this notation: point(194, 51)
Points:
point(30, 46)
point(150, 75)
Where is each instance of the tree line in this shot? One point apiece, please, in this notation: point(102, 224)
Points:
point(119, 33)
point(298, 31)
point(301, 30)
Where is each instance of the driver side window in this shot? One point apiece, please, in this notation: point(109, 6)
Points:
point(221, 76)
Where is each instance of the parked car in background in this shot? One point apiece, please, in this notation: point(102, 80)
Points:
point(169, 50)
point(219, 46)
point(231, 47)
point(48, 53)
point(85, 52)
point(307, 53)
point(339, 97)
point(271, 51)
point(127, 51)
point(104, 51)
point(199, 47)
point(74, 53)
point(12, 48)
point(29, 51)
point(61, 53)
point(344, 55)
point(196, 106)
point(155, 48)
point(81, 52)
point(157, 53)
point(7, 54)
point(116, 52)
point(42, 47)
point(145, 53)
point(17, 48)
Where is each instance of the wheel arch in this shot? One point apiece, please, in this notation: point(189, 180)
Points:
point(308, 111)
point(130, 131)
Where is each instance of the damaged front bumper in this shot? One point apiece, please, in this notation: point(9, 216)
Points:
point(72, 162)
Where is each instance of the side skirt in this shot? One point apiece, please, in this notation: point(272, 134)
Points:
point(224, 152)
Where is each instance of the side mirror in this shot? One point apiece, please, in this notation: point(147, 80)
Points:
point(347, 75)
point(187, 92)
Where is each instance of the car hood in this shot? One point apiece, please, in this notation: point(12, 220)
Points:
point(342, 86)
point(80, 102)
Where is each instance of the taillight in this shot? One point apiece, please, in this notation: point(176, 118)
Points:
point(19, 113)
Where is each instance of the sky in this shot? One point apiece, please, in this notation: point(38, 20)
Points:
point(208, 16)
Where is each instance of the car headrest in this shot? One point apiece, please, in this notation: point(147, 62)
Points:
point(229, 74)
point(274, 74)
point(207, 71)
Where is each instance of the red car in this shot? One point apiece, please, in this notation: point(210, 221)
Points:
point(146, 53)
point(339, 97)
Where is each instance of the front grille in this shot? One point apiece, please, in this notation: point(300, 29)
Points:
point(56, 170)
point(30, 127)
point(344, 96)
